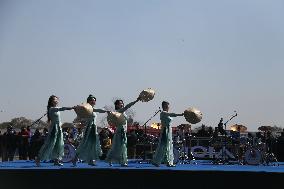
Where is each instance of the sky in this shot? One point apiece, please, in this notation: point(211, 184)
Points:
point(218, 56)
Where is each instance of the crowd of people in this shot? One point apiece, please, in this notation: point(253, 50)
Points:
point(23, 144)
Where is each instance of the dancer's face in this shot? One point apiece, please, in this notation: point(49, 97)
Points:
point(166, 107)
point(120, 105)
point(92, 102)
point(55, 101)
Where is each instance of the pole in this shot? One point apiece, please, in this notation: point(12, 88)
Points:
point(145, 132)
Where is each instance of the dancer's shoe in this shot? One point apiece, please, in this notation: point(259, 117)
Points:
point(171, 165)
point(56, 162)
point(74, 162)
point(155, 164)
point(92, 163)
point(37, 161)
point(124, 165)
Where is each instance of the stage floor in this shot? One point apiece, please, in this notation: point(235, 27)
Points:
point(197, 165)
point(204, 174)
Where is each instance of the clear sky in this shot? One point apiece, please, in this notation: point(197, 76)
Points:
point(219, 56)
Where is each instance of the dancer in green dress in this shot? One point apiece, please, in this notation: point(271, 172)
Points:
point(89, 149)
point(164, 151)
point(53, 147)
point(118, 151)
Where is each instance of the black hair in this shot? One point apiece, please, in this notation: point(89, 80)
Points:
point(49, 104)
point(117, 102)
point(90, 97)
point(165, 103)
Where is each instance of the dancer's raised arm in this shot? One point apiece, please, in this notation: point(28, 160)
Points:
point(129, 105)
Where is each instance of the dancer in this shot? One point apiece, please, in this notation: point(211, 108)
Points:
point(164, 151)
point(53, 147)
point(118, 151)
point(89, 149)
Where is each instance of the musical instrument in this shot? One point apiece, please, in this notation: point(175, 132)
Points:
point(116, 118)
point(147, 95)
point(69, 153)
point(192, 115)
point(253, 157)
point(217, 142)
point(148, 139)
point(84, 110)
point(146, 145)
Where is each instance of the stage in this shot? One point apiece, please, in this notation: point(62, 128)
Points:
point(24, 174)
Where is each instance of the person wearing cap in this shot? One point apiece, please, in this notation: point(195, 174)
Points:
point(89, 149)
point(164, 151)
point(118, 150)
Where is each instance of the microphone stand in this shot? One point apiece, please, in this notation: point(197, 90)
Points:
point(224, 160)
point(145, 134)
point(38, 120)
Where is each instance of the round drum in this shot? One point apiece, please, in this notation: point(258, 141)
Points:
point(192, 115)
point(147, 95)
point(252, 157)
point(116, 118)
point(84, 110)
point(69, 153)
